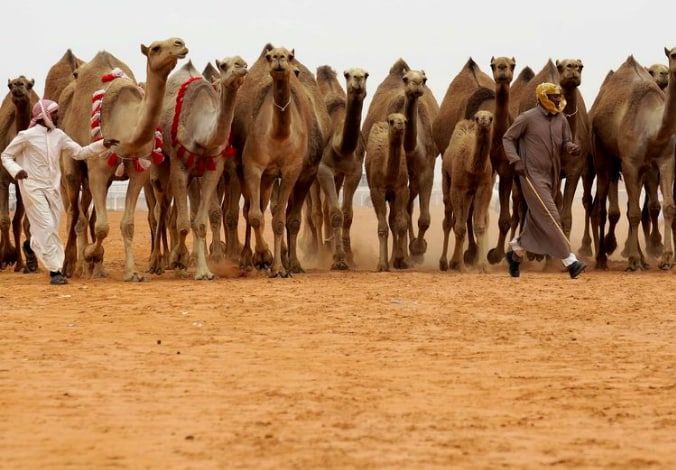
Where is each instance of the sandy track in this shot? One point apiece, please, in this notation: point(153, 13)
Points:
point(338, 369)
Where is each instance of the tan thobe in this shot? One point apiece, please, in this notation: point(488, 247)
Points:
point(538, 138)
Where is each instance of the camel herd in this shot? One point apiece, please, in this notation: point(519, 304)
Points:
point(277, 135)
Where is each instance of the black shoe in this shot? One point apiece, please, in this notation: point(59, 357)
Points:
point(57, 279)
point(576, 269)
point(31, 259)
point(513, 264)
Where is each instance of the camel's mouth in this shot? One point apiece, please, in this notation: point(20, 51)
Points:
point(183, 54)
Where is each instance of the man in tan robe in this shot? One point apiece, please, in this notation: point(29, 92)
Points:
point(533, 145)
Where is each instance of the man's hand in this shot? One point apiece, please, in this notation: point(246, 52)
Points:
point(519, 168)
point(573, 149)
point(21, 175)
point(107, 143)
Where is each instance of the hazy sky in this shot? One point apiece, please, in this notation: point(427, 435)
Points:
point(433, 35)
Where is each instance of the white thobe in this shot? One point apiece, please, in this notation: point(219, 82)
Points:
point(38, 151)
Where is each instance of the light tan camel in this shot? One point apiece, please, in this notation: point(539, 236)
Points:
point(660, 74)
point(633, 125)
point(340, 165)
point(405, 91)
point(60, 75)
point(280, 130)
point(129, 115)
point(15, 116)
point(387, 175)
point(467, 184)
point(196, 125)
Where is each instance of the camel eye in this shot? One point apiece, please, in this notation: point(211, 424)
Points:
point(155, 49)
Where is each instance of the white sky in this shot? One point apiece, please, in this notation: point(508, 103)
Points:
point(433, 35)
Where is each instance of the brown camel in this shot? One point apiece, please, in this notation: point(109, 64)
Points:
point(517, 88)
point(60, 75)
point(280, 136)
point(387, 176)
point(405, 91)
point(660, 74)
point(340, 165)
point(129, 115)
point(15, 116)
point(633, 125)
point(196, 125)
point(469, 92)
point(467, 184)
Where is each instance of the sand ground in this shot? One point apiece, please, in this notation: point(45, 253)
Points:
point(359, 369)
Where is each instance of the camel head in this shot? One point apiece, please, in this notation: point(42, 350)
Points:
point(232, 71)
point(483, 120)
point(671, 54)
point(660, 74)
point(163, 55)
point(503, 69)
point(21, 89)
point(570, 72)
point(397, 124)
point(414, 83)
point(355, 81)
point(280, 63)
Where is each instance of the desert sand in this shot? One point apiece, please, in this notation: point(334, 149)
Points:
point(358, 369)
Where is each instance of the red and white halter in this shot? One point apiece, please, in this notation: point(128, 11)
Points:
point(114, 160)
point(189, 159)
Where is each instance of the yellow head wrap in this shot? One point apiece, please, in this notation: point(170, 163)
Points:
point(544, 89)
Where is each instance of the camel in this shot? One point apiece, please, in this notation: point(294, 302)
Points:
point(517, 88)
point(387, 175)
point(196, 121)
point(633, 125)
point(15, 116)
point(129, 114)
point(340, 165)
point(60, 75)
point(469, 92)
point(660, 74)
point(280, 128)
point(467, 183)
point(405, 91)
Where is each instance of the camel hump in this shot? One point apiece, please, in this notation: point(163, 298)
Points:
point(210, 72)
point(471, 64)
point(400, 67)
point(475, 101)
point(325, 72)
point(526, 75)
point(267, 48)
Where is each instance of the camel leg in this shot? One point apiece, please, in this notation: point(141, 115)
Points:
point(461, 202)
point(613, 217)
point(496, 254)
point(481, 205)
point(208, 202)
point(217, 247)
point(653, 237)
point(315, 220)
point(380, 207)
point(448, 220)
point(233, 194)
point(93, 254)
point(16, 230)
point(253, 176)
point(398, 226)
point(599, 216)
point(566, 208)
point(326, 180)
point(632, 183)
point(587, 201)
point(418, 246)
point(293, 218)
point(668, 187)
point(156, 258)
point(350, 186)
point(279, 218)
point(7, 251)
point(246, 257)
point(180, 257)
point(470, 252)
point(137, 181)
point(71, 183)
point(31, 258)
point(151, 202)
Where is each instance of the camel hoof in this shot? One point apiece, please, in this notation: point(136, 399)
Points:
point(602, 264)
point(400, 263)
point(93, 254)
point(655, 249)
point(470, 255)
point(97, 271)
point(340, 265)
point(134, 277)
point(279, 273)
point(296, 268)
point(585, 250)
point(443, 265)
point(456, 266)
point(495, 256)
point(9, 257)
point(667, 262)
point(205, 276)
point(383, 267)
point(418, 246)
point(262, 260)
point(19, 267)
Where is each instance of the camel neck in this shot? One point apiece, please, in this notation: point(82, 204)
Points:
point(150, 109)
point(501, 117)
point(220, 128)
point(570, 94)
point(351, 125)
point(668, 125)
point(281, 108)
point(394, 156)
point(482, 146)
point(411, 134)
point(23, 115)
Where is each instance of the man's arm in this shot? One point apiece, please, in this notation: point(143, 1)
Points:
point(15, 147)
point(77, 152)
point(511, 138)
point(567, 142)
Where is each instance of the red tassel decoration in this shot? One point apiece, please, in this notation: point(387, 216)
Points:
point(113, 160)
point(158, 157)
point(190, 160)
point(211, 164)
point(137, 166)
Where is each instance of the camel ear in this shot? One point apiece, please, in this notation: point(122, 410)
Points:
point(366, 75)
point(144, 50)
point(31, 83)
point(296, 71)
point(268, 57)
point(292, 55)
point(512, 64)
point(666, 52)
point(492, 62)
point(221, 65)
point(346, 74)
point(405, 79)
point(559, 66)
point(9, 83)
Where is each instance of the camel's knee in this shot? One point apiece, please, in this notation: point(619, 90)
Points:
point(654, 208)
point(200, 229)
point(634, 216)
point(4, 222)
point(127, 229)
point(293, 225)
point(231, 220)
point(480, 228)
point(424, 221)
point(669, 210)
point(460, 229)
point(505, 222)
point(215, 216)
point(101, 230)
point(336, 218)
point(255, 219)
point(278, 225)
point(382, 229)
point(347, 218)
point(447, 224)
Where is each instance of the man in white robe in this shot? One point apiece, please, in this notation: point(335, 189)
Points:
point(33, 159)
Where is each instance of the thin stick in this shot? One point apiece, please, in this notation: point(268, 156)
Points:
point(556, 224)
